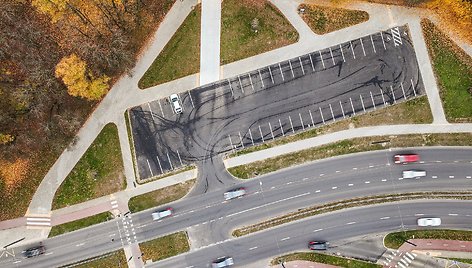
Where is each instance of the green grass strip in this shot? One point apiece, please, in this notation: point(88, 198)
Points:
point(79, 224)
point(395, 240)
point(326, 259)
point(165, 247)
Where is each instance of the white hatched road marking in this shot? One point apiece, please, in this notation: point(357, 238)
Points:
point(397, 38)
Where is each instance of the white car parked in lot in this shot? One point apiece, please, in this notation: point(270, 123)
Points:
point(412, 174)
point(429, 221)
point(175, 100)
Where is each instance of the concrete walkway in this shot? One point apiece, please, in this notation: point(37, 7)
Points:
point(210, 41)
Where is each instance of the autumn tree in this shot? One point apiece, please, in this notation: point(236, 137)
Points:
point(80, 83)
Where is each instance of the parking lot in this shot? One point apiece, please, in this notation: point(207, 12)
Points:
point(294, 95)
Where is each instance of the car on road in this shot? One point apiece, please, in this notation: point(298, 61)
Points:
point(34, 251)
point(175, 100)
point(162, 214)
point(406, 158)
point(413, 174)
point(429, 221)
point(222, 262)
point(318, 245)
point(236, 193)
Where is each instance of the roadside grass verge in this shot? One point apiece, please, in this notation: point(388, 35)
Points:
point(395, 240)
point(98, 173)
point(160, 197)
point(165, 247)
point(250, 27)
point(181, 55)
point(347, 147)
point(114, 259)
point(414, 111)
point(453, 70)
point(79, 224)
point(347, 203)
point(326, 259)
point(324, 19)
point(460, 260)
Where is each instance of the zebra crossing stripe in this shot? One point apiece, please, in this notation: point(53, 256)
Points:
point(397, 38)
point(409, 255)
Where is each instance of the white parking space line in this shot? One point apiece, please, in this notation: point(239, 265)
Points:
point(180, 159)
point(191, 100)
point(271, 132)
point(372, 40)
point(312, 66)
point(413, 86)
point(160, 106)
point(150, 110)
point(260, 77)
point(250, 135)
point(240, 139)
point(271, 76)
point(352, 106)
point(342, 53)
point(331, 52)
point(250, 80)
point(321, 56)
point(332, 114)
point(352, 49)
point(393, 95)
point(372, 97)
point(311, 117)
point(241, 84)
point(301, 65)
point(362, 44)
point(362, 101)
point(291, 124)
point(383, 98)
point(403, 90)
point(301, 120)
point(170, 162)
point(383, 42)
point(281, 128)
point(291, 69)
point(322, 117)
point(281, 72)
point(149, 165)
point(230, 88)
point(262, 136)
point(231, 142)
point(159, 162)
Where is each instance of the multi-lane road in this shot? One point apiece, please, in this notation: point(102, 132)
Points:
point(364, 174)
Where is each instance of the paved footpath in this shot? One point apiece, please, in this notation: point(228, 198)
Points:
point(210, 41)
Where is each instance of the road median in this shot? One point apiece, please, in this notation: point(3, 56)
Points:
point(347, 203)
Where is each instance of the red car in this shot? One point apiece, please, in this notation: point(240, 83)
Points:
point(406, 158)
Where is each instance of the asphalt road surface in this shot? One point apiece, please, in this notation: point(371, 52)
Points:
point(364, 174)
point(305, 92)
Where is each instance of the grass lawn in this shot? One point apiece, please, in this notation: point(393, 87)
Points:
point(395, 240)
point(79, 224)
point(460, 260)
point(160, 197)
point(99, 172)
point(165, 247)
point(415, 111)
point(347, 147)
point(115, 259)
point(324, 19)
point(326, 259)
point(181, 55)
point(250, 27)
point(453, 70)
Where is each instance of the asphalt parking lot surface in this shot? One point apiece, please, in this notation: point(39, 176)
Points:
point(252, 108)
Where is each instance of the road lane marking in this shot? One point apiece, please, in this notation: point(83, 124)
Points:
point(79, 245)
point(350, 223)
point(290, 182)
point(468, 177)
point(367, 182)
point(451, 177)
point(317, 230)
point(350, 184)
point(321, 175)
point(434, 177)
point(337, 171)
point(285, 238)
point(371, 166)
point(17, 262)
point(384, 179)
point(354, 168)
point(334, 187)
point(317, 191)
point(49, 253)
point(453, 214)
point(419, 214)
point(268, 204)
point(252, 248)
point(385, 218)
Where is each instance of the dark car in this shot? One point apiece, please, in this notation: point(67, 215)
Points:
point(318, 245)
point(33, 252)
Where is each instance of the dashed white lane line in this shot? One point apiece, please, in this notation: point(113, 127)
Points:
point(354, 168)
point(334, 187)
point(16, 261)
point(371, 166)
point(321, 175)
point(304, 179)
point(419, 214)
point(337, 171)
point(367, 182)
point(317, 230)
point(434, 177)
point(384, 180)
point(268, 204)
point(438, 161)
point(273, 187)
point(350, 223)
point(285, 238)
point(421, 162)
point(79, 245)
point(400, 179)
point(317, 191)
point(253, 248)
point(350, 184)
point(452, 214)
point(290, 182)
point(468, 177)
point(451, 177)
point(191, 266)
point(385, 218)
point(49, 253)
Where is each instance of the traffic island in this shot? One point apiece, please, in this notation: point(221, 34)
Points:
point(330, 260)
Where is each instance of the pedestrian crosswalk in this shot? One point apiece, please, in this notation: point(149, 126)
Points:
point(38, 221)
point(397, 259)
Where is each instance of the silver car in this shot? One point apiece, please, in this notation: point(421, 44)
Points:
point(162, 214)
point(413, 174)
point(429, 221)
point(234, 193)
point(175, 100)
point(222, 262)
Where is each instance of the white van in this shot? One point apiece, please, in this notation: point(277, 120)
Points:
point(413, 174)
